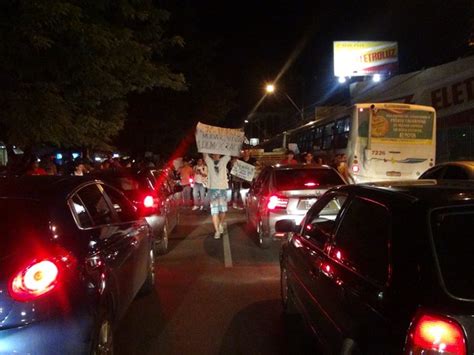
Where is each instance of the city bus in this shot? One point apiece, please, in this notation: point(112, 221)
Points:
point(379, 141)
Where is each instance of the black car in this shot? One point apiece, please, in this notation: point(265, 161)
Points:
point(154, 193)
point(453, 170)
point(385, 268)
point(74, 254)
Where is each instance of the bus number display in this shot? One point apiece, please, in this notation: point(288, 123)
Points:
point(378, 152)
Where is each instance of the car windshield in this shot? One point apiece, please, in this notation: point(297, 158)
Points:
point(21, 219)
point(452, 232)
point(306, 179)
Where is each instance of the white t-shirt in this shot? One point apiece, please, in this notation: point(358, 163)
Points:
point(217, 172)
point(199, 171)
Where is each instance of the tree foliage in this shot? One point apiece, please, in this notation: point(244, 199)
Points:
point(66, 67)
point(159, 120)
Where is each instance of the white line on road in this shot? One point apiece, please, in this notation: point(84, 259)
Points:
point(227, 253)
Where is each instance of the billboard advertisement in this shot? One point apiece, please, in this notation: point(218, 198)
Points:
point(402, 127)
point(359, 58)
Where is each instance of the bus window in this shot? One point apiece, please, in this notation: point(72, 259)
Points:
point(328, 136)
point(363, 127)
point(341, 137)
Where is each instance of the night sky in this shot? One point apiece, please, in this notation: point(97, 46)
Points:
point(257, 38)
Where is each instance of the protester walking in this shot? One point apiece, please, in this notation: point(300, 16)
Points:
point(238, 185)
point(308, 159)
point(200, 183)
point(186, 174)
point(290, 158)
point(218, 186)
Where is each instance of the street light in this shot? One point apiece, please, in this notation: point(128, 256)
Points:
point(270, 89)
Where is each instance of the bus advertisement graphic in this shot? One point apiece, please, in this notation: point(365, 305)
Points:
point(402, 126)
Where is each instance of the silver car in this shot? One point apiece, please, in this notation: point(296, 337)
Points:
point(286, 192)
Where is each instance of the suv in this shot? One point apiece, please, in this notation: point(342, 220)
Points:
point(154, 193)
point(282, 192)
point(385, 268)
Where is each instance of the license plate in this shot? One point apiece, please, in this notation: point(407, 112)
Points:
point(306, 203)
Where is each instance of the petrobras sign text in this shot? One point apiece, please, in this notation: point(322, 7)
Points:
point(358, 58)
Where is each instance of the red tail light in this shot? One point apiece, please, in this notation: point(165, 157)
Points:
point(35, 280)
point(435, 335)
point(355, 168)
point(311, 184)
point(148, 201)
point(277, 202)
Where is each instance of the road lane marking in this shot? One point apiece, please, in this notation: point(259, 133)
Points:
point(226, 245)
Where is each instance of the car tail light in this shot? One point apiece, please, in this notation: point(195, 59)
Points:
point(37, 279)
point(355, 169)
point(277, 202)
point(148, 201)
point(311, 184)
point(435, 334)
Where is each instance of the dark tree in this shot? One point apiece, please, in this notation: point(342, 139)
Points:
point(66, 67)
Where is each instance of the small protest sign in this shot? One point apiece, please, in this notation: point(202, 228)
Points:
point(243, 170)
point(218, 140)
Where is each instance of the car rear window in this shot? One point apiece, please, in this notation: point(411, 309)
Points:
point(21, 219)
point(454, 244)
point(306, 179)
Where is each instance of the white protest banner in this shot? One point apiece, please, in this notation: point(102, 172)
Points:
point(243, 170)
point(218, 140)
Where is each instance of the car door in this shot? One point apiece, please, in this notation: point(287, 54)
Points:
point(353, 275)
point(136, 231)
point(111, 250)
point(306, 256)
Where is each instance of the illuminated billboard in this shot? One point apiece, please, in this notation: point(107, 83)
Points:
point(358, 58)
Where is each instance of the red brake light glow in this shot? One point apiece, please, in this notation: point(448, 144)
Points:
point(355, 169)
point(35, 280)
point(275, 202)
point(436, 334)
point(148, 201)
point(311, 184)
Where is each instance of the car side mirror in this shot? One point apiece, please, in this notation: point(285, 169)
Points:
point(177, 188)
point(286, 226)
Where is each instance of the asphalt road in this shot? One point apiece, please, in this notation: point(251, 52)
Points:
point(213, 297)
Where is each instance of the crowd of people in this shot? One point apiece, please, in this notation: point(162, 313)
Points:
point(48, 165)
point(193, 175)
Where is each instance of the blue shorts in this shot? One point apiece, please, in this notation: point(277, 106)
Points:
point(218, 199)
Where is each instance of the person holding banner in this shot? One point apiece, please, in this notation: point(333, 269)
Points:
point(218, 186)
point(240, 185)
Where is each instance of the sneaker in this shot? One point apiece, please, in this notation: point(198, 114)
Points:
point(195, 208)
point(217, 235)
point(221, 228)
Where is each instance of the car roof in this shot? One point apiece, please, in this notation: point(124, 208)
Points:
point(300, 166)
point(40, 187)
point(432, 192)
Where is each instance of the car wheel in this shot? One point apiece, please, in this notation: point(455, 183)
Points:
point(103, 343)
point(149, 284)
point(286, 294)
point(264, 240)
point(162, 247)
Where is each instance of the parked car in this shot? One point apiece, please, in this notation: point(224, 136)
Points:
point(152, 191)
point(286, 191)
point(74, 255)
point(385, 268)
point(454, 170)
